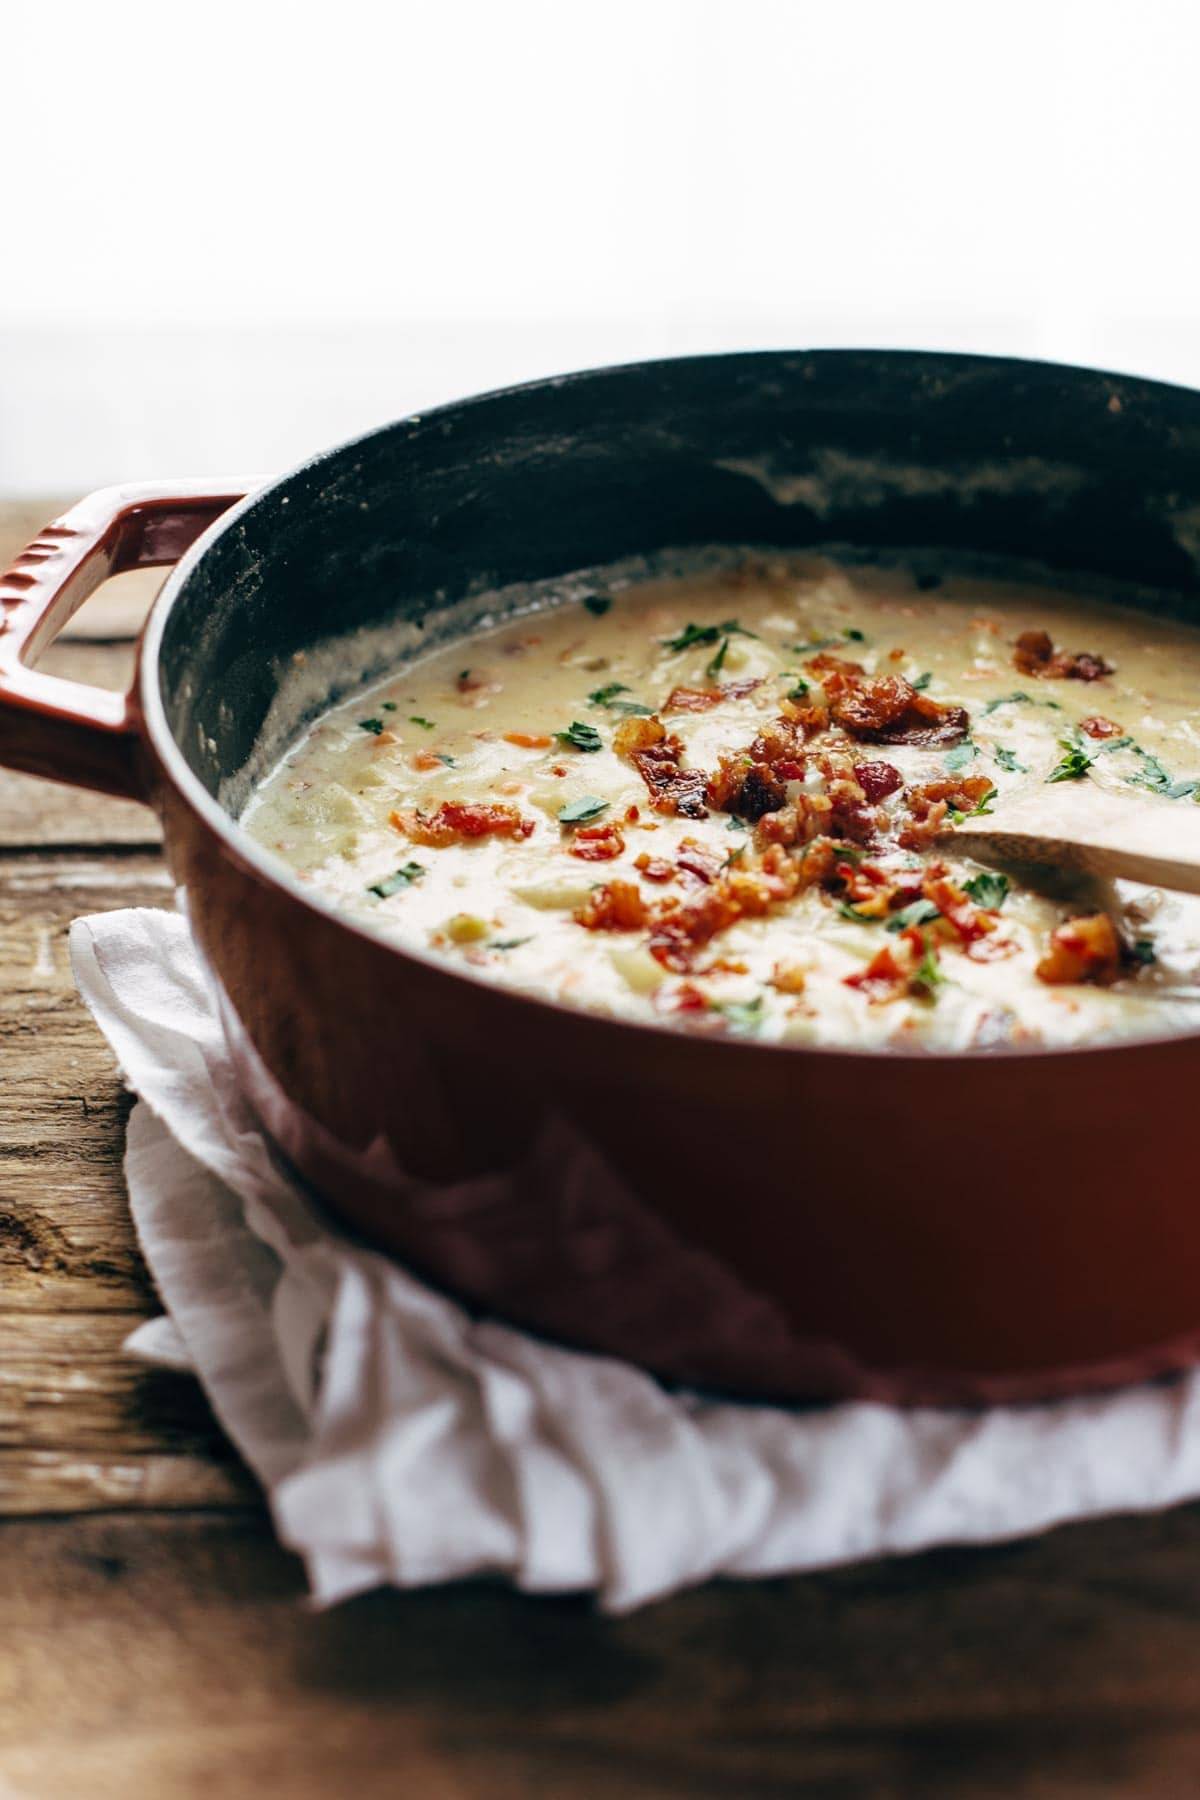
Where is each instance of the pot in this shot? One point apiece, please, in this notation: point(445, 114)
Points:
point(763, 1221)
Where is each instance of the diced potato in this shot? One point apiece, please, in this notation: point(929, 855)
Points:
point(637, 968)
point(550, 896)
point(467, 928)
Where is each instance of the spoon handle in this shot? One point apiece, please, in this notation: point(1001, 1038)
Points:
point(1094, 832)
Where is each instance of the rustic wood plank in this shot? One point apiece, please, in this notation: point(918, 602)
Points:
point(49, 1483)
point(174, 1659)
point(81, 1425)
point(84, 1426)
point(66, 1241)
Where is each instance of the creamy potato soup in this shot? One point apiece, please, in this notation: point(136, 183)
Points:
point(728, 802)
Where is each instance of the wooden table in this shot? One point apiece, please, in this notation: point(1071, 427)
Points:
point(154, 1640)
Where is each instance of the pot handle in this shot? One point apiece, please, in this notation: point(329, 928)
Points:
point(62, 729)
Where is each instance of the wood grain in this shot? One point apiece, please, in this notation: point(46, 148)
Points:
point(81, 1425)
point(178, 1662)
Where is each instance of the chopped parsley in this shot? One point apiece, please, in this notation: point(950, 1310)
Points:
point(1008, 760)
point(1142, 951)
point(388, 705)
point(691, 635)
point(927, 977)
point(425, 724)
point(917, 912)
point(597, 605)
point(961, 755)
point(1121, 743)
point(582, 811)
point(989, 890)
point(743, 1015)
point(736, 824)
point(579, 736)
point(374, 726)
point(1074, 765)
point(391, 884)
point(852, 635)
point(713, 668)
point(1018, 698)
point(444, 758)
point(1155, 777)
point(607, 696)
point(922, 682)
point(511, 943)
point(985, 806)
point(799, 691)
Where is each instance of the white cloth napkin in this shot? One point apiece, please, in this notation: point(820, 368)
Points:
point(400, 1440)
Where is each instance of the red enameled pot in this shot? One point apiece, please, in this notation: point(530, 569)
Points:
point(781, 1222)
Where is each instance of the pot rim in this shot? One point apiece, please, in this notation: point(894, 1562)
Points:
point(160, 740)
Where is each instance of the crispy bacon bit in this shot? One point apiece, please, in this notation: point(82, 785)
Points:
point(469, 681)
point(679, 927)
point(528, 740)
point(883, 978)
point(634, 734)
point(597, 843)
point(753, 781)
point(1085, 949)
point(1099, 727)
point(632, 815)
point(873, 891)
point(803, 820)
point(425, 759)
point(457, 821)
point(810, 721)
point(834, 672)
point(613, 906)
point(686, 998)
point(973, 925)
point(687, 699)
point(654, 868)
point(889, 710)
point(655, 754)
point(892, 971)
point(693, 859)
point(1034, 654)
point(878, 779)
point(929, 804)
point(788, 978)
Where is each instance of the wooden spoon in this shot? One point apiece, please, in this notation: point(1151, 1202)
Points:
point(1092, 832)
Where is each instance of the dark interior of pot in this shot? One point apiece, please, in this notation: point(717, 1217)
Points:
point(1079, 471)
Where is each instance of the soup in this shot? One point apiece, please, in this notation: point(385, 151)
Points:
point(726, 801)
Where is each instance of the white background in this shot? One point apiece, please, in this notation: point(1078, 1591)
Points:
point(235, 233)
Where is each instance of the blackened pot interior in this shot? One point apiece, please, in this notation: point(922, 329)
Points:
point(1082, 472)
